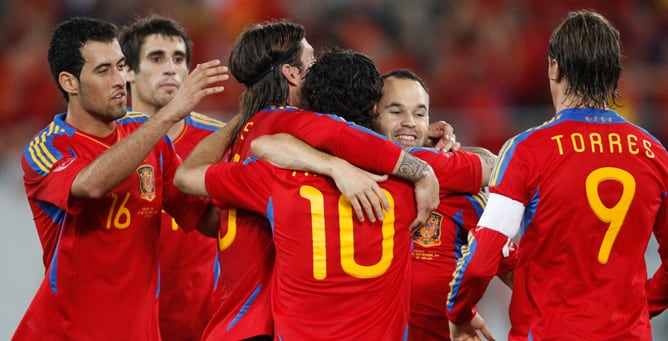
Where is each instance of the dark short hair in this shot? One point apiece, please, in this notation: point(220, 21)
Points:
point(406, 74)
point(587, 48)
point(344, 83)
point(133, 36)
point(68, 39)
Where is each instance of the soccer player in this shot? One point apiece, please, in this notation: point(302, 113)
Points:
point(157, 55)
point(270, 59)
point(96, 180)
point(335, 276)
point(403, 116)
point(585, 189)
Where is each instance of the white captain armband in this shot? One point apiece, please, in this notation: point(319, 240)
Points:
point(502, 214)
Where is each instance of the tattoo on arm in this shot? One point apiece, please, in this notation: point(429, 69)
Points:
point(488, 158)
point(412, 168)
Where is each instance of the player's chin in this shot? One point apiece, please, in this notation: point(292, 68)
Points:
point(118, 111)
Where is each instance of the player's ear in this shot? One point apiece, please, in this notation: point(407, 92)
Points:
point(129, 74)
point(68, 82)
point(553, 72)
point(291, 74)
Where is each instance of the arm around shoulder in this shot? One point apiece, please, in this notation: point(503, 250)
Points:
point(190, 176)
point(487, 159)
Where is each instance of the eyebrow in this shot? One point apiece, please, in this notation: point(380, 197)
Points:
point(397, 104)
point(393, 104)
point(162, 52)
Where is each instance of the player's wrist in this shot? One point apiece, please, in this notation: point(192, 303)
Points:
point(463, 316)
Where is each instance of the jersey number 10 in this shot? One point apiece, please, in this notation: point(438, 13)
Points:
point(346, 237)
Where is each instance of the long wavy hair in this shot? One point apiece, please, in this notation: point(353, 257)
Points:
point(256, 60)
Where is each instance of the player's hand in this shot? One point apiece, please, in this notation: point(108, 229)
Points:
point(427, 199)
point(203, 81)
point(361, 189)
point(469, 331)
point(442, 137)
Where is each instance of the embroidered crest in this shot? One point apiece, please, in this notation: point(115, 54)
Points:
point(146, 182)
point(429, 234)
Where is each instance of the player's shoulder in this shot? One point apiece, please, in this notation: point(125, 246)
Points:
point(46, 136)
point(133, 117)
point(280, 108)
point(48, 145)
point(289, 110)
point(202, 121)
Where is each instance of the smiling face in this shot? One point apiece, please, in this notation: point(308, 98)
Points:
point(161, 70)
point(101, 90)
point(403, 112)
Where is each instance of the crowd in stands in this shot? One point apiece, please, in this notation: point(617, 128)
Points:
point(481, 59)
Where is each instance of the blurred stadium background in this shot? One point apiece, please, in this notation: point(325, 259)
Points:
point(483, 60)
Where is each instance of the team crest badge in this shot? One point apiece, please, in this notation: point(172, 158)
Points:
point(146, 182)
point(429, 234)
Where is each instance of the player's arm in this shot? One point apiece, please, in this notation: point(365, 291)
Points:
point(470, 330)
point(457, 172)
point(190, 175)
point(298, 155)
point(657, 285)
point(209, 222)
point(366, 149)
point(506, 272)
point(359, 186)
point(487, 158)
point(427, 189)
point(246, 185)
point(480, 259)
point(120, 160)
point(361, 147)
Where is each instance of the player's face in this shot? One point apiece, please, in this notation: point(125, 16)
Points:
point(403, 112)
point(102, 80)
point(161, 70)
point(307, 58)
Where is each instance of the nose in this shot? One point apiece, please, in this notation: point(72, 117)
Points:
point(120, 77)
point(408, 121)
point(170, 67)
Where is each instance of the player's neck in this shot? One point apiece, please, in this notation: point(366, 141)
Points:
point(90, 123)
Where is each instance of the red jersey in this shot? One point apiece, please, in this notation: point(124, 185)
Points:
point(186, 259)
point(335, 278)
point(657, 285)
point(589, 186)
point(101, 255)
point(436, 248)
point(246, 251)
